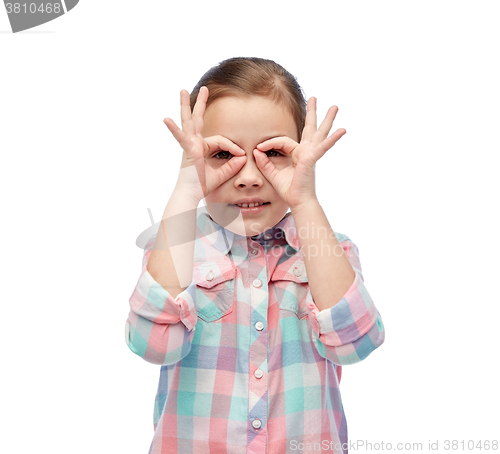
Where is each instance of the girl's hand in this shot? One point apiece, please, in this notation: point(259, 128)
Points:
point(196, 178)
point(295, 183)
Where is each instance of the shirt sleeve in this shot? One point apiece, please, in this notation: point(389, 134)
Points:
point(350, 330)
point(159, 327)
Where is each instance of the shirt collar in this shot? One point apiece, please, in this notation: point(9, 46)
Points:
point(209, 233)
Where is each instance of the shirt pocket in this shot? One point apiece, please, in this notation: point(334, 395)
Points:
point(291, 287)
point(214, 288)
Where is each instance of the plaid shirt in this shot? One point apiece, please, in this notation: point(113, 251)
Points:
point(249, 363)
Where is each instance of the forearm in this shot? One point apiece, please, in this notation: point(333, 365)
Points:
point(160, 324)
point(171, 260)
point(329, 271)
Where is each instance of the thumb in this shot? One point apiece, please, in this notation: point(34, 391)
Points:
point(265, 165)
point(230, 169)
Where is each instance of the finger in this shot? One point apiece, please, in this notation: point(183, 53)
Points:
point(178, 134)
point(285, 144)
point(328, 143)
point(310, 125)
point(265, 165)
point(327, 123)
point(229, 169)
point(187, 125)
point(201, 102)
point(223, 143)
point(199, 109)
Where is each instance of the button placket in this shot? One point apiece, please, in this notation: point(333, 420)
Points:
point(258, 385)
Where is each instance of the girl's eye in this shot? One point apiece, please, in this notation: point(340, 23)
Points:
point(223, 155)
point(273, 153)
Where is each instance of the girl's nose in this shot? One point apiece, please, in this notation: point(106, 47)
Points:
point(249, 175)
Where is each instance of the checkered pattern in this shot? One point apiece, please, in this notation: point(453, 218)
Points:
point(249, 363)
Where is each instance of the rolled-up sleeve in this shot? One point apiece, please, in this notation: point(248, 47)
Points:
point(350, 330)
point(160, 328)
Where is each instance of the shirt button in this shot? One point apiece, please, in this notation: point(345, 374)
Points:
point(258, 373)
point(267, 236)
point(259, 326)
point(257, 283)
point(256, 423)
point(297, 272)
point(210, 275)
point(255, 251)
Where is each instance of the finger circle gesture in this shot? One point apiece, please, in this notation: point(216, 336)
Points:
point(295, 183)
point(196, 148)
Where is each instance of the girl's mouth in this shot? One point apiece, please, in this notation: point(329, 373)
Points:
point(251, 208)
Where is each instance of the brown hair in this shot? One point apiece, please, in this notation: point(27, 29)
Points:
point(258, 77)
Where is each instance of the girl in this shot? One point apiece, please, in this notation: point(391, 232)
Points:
point(254, 303)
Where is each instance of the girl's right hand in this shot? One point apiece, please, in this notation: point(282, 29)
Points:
point(196, 148)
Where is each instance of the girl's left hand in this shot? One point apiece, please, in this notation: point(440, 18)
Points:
point(295, 183)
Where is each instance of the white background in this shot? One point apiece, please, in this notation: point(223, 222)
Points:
point(414, 183)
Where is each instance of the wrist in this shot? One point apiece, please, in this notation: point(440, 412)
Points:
point(188, 186)
point(183, 199)
point(180, 201)
point(304, 206)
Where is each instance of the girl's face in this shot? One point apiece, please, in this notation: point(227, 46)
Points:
point(247, 121)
